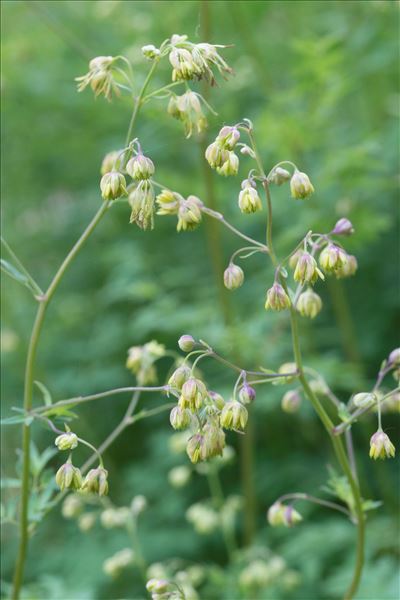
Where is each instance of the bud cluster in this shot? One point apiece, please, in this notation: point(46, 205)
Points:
point(100, 77)
point(195, 61)
point(187, 109)
point(277, 298)
point(141, 361)
point(220, 155)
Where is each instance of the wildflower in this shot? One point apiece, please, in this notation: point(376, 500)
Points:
point(72, 506)
point(69, 476)
point(277, 298)
point(309, 304)
point(111, 161)
point(195, 448)
point(141, 200)
point(306, 270)
point(293, 260)
point(179, 376)
point(120, 560)
point(140, 167)
point(394, 357)
point(189, 214)
point(381, 446)
point(206, 57)
point(184, 67)
point(100, 77)
point(247, 394)
point(291, 401)
point(228, 137)
point(66, 441)
point(332, 258)
point(230, 166)
point(362, 400)
point(113, 185)
point(274, 514)
point(215, 155)
point(187, 109)
point(348, 269)
point(343, 227)
point(300, 185)
point(180, 418)
point(214, 439)
point(186, 343)
point(279, 514)
point(249, 200)
point(96, 482)
point(140, 361)
point(151, 52)
point(194, 392)
point(234, 416)
point(279, 176)
point(179, 476)
point(168, 203)
point(233, 277)
point(217, 399)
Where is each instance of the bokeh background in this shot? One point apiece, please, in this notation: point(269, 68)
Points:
point(320, 82)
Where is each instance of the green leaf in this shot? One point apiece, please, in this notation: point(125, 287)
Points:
point(46, 394)
point(16, 420)
point(13, 272)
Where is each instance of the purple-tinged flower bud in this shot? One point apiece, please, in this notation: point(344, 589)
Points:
point(194, 392)
point(309, 304)
point(277, 298)
point(394, 357)
point(332, 258)
point(179, 377)
point(157, 586)
point(300, 185)
point(306, 270)
point(230, 166)
point(217, 399)
point(186, 343)
point(249, 200)
point(96, 482)
point(234, 416)
point(381, 446)
point(151, 52)
point(275, 514)
point(279, 176)
point(66, 441)
point(180, 418)
point(228, 137)
point(348, 269)
point(247, 394)
point(343, 227)
point(113, 185)
point(291, 401)
point(69, 476)
point(233, 277)
point(195, 448)
point(140, 167)
point(290, 516)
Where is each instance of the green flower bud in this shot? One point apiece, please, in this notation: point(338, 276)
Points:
point(194, 392)
point(381, 446)
point(293, 260)
point(111, 161)
point(186, 343)
point(249, 200)
point(274, 514)
point(306, 270)
point(66, 441)
point(151, 52)
point(217, 399)
point(141, 200)
point(216, 156)
point(309, 304)
point(184, 67)
point(179, 376)
point(140, 167)
point(214, 439)
point(195, 448)
point(69, 477)
point(247, 394)
point(179, 476)
point(113, 185)
point(96, 482)
point(277, 298)
point(168, 203)
point(332, 258)
point(364, 399)
point(291, 401)
point(189, 214)
point(279, 514)
point(230, 166)
point(233, 277)
point(180, 418)
point(300, 185)
point(279, 176)
point(394, 357)
point(234, 416)
point(228, 137)
point(348, 269)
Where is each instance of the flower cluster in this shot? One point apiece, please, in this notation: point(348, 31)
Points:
point(195, 61)
point(220, 154)
point(188, 210)
point(141, 361)
point(100, 77)
point(187, 109)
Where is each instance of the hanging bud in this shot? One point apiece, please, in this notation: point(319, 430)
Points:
point(168, 203)
point(233, 277)
point(96, 482)
point(150, 52)
point(348, 269)
point(249, 200)
point(216, 156)
point(100, 77)
point(187, 108)
point(247, 394)
point(279, 176)
point(184, 67)
point(277, 298)
point(381, 446)
point(66, 441)
point(189, 214)
point(306, 270)
point(332, 258)
point(279, 514)
point(363, 400)
point(194, 392)
point(217, 399)
point(141, 200)
point(195, 448)
point(228, 137)
point(293, 260)
point(113, 185)
point(343, 227)
point(300, 185)
point(69, 477)
point(394, 357)
point(179, 377)
point(230, 165)
point(214, 439)
point(140, 167)
point(186, 343)
point(234, 416)
point(111, 161)
point(274, 514)
point(180, 418)
point(309, 304)
point(291, 401)
point(290, 516)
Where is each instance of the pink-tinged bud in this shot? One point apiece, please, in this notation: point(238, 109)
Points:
point(96, 482)
point(277, 298)
point(394, 357)
point(69, 476)
point(217, 399)
point(348, 269)
point(179, 376)
point(343, 227)
point(194, 392)
point(186, 343)
point(228, 137)
point(180, 418)
point(381, 446)
point(196, 449)
point(247, 394)
point(306, 270)
point(291, 401)
point(140, 167)
point(233, 277)
point(332, 258)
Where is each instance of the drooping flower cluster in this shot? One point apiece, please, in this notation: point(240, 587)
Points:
point(188, 210)
point(220, 154)
point(195, 61)
point(100, 77)
point(187, 109)
point(141, 361)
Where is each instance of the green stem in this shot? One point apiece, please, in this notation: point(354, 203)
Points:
point(218, 501)
point(139, 101)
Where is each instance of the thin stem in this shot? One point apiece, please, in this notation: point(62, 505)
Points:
point(220, 218)
point(162, 89)
point(21, 267)
point(339, 429)
point(218, 500)
point(314, 500)
point(139, 101)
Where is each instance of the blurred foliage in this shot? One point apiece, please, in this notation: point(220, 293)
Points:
point(319, 81)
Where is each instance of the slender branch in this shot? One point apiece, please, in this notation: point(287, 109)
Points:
point(315, 500)
point(139, 101)
point(339, 429)
point(35, 286)
point(220, 218)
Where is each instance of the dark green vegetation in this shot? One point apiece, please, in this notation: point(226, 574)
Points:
point(319, 82)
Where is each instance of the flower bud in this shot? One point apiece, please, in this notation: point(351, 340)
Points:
point(113, 185)
point(184, 67)
point(228, 137)
point(381, 446)
point(194, 392)
point(179, 418)
point(157, 586)
point(87, 521)
point(277, 298)
point(343, 227)
point(234, 416)
point(189, 214)
point(179, 376)
point(141, 200)
point(168, 203)
point(120, 560)
point(69, 476)
point(300, 185)
point(306, 270)
point(247, 394)
point(111, 161)
point(195, 448)
point(96, 482)
point(290, 516)
point(249, 200)
point(217, 399)
point(233, 277)
point(394, 357)
point(332, 258)
point(215, 155)
point(140, 167)
point(293, 260)
point(363, 399)
point(179, 476)
point(151, 52)
point(274, 514)
point(279, 514)
point(348, 269)
point(72, 506)
point(309, 304)
point(230, 165)
point(279, 176)
point(291, 401)
point(66, 441)
point(186, 343)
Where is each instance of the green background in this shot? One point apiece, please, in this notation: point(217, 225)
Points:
point(319, 80)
